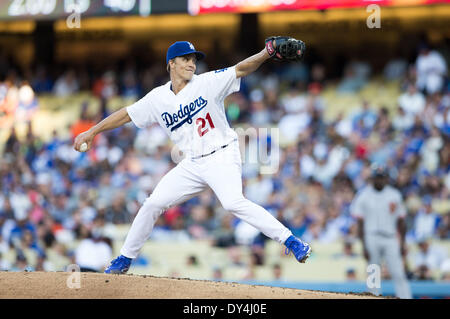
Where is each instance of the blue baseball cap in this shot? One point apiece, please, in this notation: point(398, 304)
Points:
point(181, 48)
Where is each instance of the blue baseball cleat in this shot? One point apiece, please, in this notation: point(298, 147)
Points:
point(300, 249)
point(120, 265)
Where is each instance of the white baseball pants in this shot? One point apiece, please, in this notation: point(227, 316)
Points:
point(222, 171)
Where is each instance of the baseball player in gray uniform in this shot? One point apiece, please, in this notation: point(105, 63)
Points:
point(380, 212)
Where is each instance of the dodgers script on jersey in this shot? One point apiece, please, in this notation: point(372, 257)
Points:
point(195, 118)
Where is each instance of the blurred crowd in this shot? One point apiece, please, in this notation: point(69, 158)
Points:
point(52, 196)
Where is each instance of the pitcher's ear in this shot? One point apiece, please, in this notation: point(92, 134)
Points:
point(168, 64)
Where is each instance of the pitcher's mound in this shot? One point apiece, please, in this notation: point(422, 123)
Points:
point(50, 285)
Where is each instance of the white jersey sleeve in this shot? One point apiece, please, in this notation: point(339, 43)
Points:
point(223, 82)
point(356, 207)
point(142, 112)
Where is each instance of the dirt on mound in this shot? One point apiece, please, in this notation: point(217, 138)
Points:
point(64, 285)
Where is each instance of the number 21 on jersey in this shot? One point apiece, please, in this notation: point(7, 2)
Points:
point(201, 122)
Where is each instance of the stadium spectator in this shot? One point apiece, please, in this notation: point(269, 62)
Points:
point(402, 121)
point(200, 222)
point(27, 104)
point(84, 122)
point(21, 263)
point(259, 190)
point(105, 87)
point(347, 252)
point(41, 82)
point(293, 101)
point(192, 260)
point(93, 253)
point(430, 151)
point(277, 272)
point(423, 273)
point(293, 124)
point(43, 264)
point(444, 229)
point(412, 102)
point(66, 84)
point(431, 70)
point(350, 274)
point(260, 114)
point(356, 75)
point(9, 101)
point(429, 258)
point(130, 87)
point(117, 212)
point(364, 119)
point(223, 236)
point(22, 226)
point(395, 69)
point(427, 221)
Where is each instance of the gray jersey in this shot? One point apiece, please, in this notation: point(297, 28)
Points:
point(380, 210)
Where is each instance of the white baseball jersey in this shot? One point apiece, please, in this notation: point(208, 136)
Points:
point(195, 118)
point(375, 208)
point(195, 121)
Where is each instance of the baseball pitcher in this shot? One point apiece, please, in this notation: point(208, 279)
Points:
point(380, 213)
point(190, 108)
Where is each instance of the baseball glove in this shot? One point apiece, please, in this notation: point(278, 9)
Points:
point(285, 48)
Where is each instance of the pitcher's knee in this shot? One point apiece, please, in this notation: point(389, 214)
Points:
point(152, 204)
point(235, 204)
